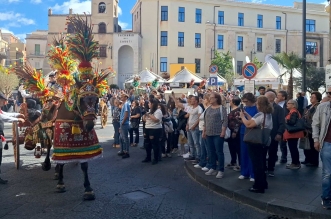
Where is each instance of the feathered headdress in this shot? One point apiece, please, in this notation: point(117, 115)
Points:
point(100, 80)
point(61, 59)
point(83, 46)
point(34, 81)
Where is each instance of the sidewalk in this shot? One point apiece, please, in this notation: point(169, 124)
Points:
point(291, 193)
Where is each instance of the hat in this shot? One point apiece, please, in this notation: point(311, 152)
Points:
point(3, 96)
point(52, 74)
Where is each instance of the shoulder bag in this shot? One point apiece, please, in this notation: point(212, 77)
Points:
point(258, 135)
point(297, 127)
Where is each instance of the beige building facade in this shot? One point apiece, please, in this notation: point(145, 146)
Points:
point(3, 50)
point(36, 47)
point(189, 31)
point(16, 52)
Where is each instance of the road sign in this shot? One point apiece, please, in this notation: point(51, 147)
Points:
point(249, 86)
point(328, 76)
point(212, 81)
point(213, 69)
point(249, 71)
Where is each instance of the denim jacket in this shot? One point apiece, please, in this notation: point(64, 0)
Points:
point(321, 122)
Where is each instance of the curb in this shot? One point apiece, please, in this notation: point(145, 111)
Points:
point(273, 206)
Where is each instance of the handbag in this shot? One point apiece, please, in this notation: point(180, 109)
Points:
point(227, 133)
point(134, 124)
point(258, 135)
point(304, 143)
point(297, 127)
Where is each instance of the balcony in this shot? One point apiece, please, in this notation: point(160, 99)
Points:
point(37, 54)
point(3, 55)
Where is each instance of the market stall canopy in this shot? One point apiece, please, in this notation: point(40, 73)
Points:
point(185, 76)
point(265, 75)
point(146, 76)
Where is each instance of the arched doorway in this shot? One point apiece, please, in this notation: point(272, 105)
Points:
point(125, 64)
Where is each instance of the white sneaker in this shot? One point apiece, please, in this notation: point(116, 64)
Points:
point(168, 155)
point(164, 155)
point(187, 155)
point(220, 175)
point(204, 169)
point(197, 166)
point(211, 172)
point(242, 177)
point(252, 179)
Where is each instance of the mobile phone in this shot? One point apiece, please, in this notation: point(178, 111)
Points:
point(241, 107)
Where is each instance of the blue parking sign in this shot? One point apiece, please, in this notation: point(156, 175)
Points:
point(213, 81)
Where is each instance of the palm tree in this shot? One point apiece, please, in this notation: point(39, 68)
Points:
point(290, 62)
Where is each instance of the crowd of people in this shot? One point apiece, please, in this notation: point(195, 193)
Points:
point(196, 127)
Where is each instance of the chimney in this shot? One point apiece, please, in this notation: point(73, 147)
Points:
point(49, 11)
point(70, 10)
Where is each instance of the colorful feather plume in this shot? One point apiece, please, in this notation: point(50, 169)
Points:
point(61, 59)
point(100, 80)
point(82, 45)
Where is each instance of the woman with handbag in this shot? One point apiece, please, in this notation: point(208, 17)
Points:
point(134, 123)
point(293, 131)
point(311, 155)
point(257, 138)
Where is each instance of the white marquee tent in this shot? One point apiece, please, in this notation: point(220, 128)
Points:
point(145, 77)
point(185, 76)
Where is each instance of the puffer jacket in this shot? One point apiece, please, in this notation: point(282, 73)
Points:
point(321, 122)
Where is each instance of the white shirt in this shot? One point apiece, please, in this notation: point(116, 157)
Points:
point(7, 117)
point(194, 116)
point(150, 124)
point(23, 92)
point(281, 104)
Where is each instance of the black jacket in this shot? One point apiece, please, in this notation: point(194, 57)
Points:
point(278, 121)
point(182, 121)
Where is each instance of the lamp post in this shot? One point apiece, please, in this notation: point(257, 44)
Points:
point(304, 84)
point(252, 52)
point(286, 30)
point(214, 23)
point(328, 9)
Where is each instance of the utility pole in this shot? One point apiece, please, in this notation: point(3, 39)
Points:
point(304, 10)
point(328, 9)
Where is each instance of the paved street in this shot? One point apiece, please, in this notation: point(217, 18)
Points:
point(124, 189)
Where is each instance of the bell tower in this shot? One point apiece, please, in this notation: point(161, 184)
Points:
point(105, 12)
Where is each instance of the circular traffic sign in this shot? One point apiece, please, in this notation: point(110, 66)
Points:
point(249, 71)
point(213, 69)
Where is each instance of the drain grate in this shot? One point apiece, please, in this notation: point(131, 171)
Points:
point(137, 195)
point(277, 217)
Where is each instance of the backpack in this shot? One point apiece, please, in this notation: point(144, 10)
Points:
point(168, 126)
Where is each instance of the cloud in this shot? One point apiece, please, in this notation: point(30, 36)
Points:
point(258, 1)
point(123, 25)
point(5, 30)
point(77, 6)
point(11, 1)
point(21, 36)
point(119, 11)
point(35, 1)
point(17, 17)
point(325, 3)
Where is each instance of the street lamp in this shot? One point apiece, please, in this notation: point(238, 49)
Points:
point(304, 85)
point(214, 23)
point(252, 52)
point(286, 30)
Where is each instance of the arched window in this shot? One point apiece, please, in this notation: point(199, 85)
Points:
point(102, 28)
point(70, 28)
point(102, 7)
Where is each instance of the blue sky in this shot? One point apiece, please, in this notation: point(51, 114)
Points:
point(25, 16)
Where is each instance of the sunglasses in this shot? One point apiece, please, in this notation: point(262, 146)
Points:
point(328, 93)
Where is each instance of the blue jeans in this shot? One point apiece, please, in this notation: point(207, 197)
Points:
point(116, 125)
point(125, 144)
point(204, 152)
point(193, 142)
point(215, 144)
point(326, 170)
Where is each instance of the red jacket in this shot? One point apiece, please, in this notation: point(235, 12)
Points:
point(291, 119)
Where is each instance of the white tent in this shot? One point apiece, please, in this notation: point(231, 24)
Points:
point(286, 76)
point(185, 76)
point(146, 76)
point(265, 75)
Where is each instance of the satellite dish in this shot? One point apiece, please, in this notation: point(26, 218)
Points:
point(268, 58)
point(247, 59)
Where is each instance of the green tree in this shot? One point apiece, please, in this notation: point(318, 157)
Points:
point(315, 79)
point(257, 63)
point(223, 62)
point(8, 81)
point(290, 62)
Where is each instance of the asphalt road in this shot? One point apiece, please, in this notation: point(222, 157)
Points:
point(124, 188)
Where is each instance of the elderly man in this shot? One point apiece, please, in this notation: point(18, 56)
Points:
point(322, 142)
point(6, 117)
point(278, 128)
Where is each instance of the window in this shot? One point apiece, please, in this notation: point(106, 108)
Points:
point(310, 25)
point(198, 13)
point(102, 28)
point(164, 38)
point(70, 28)
point(220, 42)
point(198, 40)
point(220, 17)
point(278, 45)
point(164, 13)
point(240, 19)
point(102, 7)
point(240, 44)
point(239, 67)
point(180, 60)
point(311, 48)
point(37, 49)
point(103, 51)
point(278, 22)
point(197, 65)
point(181, 14)
point(259, 44)
point(181, 39)
point(163, 64)
point(260, 21)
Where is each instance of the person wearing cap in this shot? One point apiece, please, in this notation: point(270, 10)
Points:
point(6, 117)
point(52, 82)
